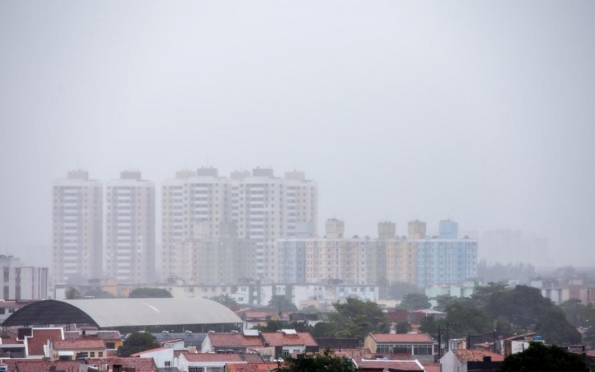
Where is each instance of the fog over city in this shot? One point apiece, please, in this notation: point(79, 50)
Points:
point(483, 112)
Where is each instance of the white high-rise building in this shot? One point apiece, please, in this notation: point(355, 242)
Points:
point(77, 227)
point(130, 228)
point(263, 207)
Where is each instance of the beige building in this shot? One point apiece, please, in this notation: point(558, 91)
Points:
point(130, 228)
point(77, 227)
point(263, 208)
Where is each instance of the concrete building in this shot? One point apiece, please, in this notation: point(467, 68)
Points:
point(225, 259)
point(77, 220)
point(416, 229)
point(263, 207)
point(445, 260)
point(19, 282)
point(130, 228)
point(315, 260)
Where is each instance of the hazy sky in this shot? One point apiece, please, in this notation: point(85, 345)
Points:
point(481, 110)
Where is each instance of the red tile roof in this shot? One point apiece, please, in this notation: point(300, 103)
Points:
point(83, 344)
point(253, 358)
point(139, 364)
point(136, 355)
point(393, 365)
point(282, 339)
point(467, 355)
point(356, 354)
point(252, 367)
point(213, 357)
point(103, 335)
point(433, 367)
point(38, 365)
point(402, 338)
point(233, 340)
point(40, 337)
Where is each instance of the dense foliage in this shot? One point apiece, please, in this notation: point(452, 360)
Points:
point(149, 293)
point(280, 302)
point(225, 300)
point(542, 358)
point(137, 341)
point(319, 362)
point(353, 319)
point(403, 327)
point(415, 301)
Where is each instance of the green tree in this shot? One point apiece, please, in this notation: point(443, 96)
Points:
point(73, 294)
point(403, 327)
point(325, 330)
point(415, 301)
point(356, 319)
point(430, 324)
point(98, 293)
point(397, 290)
point(318, 362)
point(225, 300)
point(149, 293)
point(283, 303)
point(443, 301)
point(554, 328)
point(542, 358)
point(464, 320)
point(136, 342)
point(310, 309)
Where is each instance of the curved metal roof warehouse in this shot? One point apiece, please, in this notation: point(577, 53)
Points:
point(122, 312)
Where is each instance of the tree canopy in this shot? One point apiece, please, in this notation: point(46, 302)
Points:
point(73, 294)
point(136, 342)
point(403, 327)
point(149, 293)
point(415, 301)
point(283, 303)
point(356, 319)
point(318, 362)
point(225, 299)
point(542, 358)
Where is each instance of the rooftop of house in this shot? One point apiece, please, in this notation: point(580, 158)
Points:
point(391, 365)
point(252, 367)
point(233, 340)
point(212, 357)
point(432, 367)
point(470, 355)
point(288, 339)
point(39, 338)
point(104, 335)
point(136, 355)
point(83, 344)
point(402, 338)
point(139, 364)
point(38, 365)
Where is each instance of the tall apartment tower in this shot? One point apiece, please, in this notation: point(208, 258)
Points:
point(416, 229)
point(263, 207)
point(77, 227)
point(130, 228)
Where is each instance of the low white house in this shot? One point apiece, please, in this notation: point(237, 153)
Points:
point(163, 356)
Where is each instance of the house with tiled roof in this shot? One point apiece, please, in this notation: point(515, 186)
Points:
point(112, 339)
point(419, 345)
point(76, 349)
point(88, 365)
point(463, 360)
point(163, 356)
point(231, 342)
point(288, 341)
point(389, 365)
point(252, 367)
point(36, 341)
point(207, 362)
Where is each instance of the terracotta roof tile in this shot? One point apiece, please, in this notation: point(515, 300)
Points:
point(468, 355)
point(40, 337)
point(139, 364)
point(406, 337)
point(252, 367)
point(213, 357)
point(433, 367)
point(282, 339)
point(233, 340)
point(135, 355)
point(82, 344)
point(393, 365)
point(37, 365)
point(253, 358)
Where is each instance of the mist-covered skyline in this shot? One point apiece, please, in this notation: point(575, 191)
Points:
point(399, 110)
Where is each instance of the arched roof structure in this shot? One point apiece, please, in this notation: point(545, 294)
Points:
point(123, 312)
